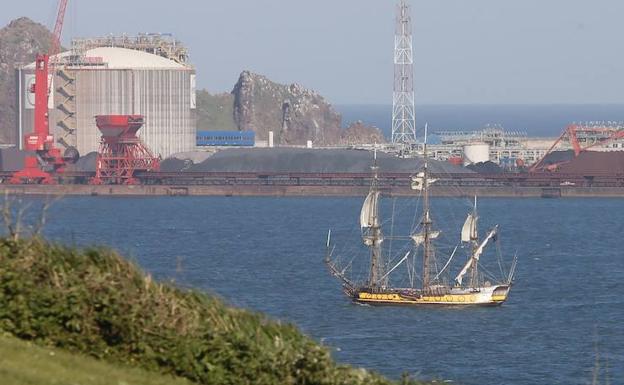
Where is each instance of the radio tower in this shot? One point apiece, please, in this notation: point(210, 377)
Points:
point(403, 114)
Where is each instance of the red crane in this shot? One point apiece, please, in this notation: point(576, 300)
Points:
point(47, 159)
point(571, 132)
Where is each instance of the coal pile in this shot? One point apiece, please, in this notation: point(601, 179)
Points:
point(485, 168)
point(558, 157)
point(175, 165)
point(301, 160)
point(595, 163)
point(85, 163)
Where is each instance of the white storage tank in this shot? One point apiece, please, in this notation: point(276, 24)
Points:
point(476, 152)
point(111, 81)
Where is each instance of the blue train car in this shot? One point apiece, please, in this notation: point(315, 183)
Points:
point(226, 138)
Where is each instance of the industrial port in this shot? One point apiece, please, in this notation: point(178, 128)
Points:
point(118, 116)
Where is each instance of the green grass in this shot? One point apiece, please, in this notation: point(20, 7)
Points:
point(25, 363)
point(96, 303)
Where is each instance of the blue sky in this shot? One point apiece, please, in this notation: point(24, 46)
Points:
point(466, 52)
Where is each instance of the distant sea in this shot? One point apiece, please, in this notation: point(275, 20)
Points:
point(536, 120)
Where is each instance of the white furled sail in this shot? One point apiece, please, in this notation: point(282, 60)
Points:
point(418, 181)
point(475, 256)
point(368, 240)
point(369, 216)
point(419, 238)
point(469, 231)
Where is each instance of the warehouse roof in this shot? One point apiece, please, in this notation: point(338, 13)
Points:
point(124, 58)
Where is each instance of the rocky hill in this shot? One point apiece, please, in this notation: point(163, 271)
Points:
point(360, 133)
point(20, 41)
point(294, 113)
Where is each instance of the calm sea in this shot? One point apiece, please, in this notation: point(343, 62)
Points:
point(535, 120)
point(566, 307)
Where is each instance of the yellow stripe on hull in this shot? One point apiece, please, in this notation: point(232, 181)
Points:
point(447, 299)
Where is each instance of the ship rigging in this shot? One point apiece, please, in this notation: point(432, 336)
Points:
point(436, 287)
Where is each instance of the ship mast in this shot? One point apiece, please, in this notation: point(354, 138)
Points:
point(474, 237)
point(373, 236)
point(426, 222)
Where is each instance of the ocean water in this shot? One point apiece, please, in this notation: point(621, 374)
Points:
point(535, 120)
point(266, 254)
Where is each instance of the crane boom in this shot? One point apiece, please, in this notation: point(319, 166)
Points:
point(55, 47)
point(47, 157)
point(572, 134)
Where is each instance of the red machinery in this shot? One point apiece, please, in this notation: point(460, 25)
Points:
point(572, 134)
point(47, 159)
point(121, 151)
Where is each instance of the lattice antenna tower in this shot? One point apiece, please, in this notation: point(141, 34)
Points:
point(403, 111)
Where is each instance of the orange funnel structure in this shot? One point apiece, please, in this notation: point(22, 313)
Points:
point(121, 152)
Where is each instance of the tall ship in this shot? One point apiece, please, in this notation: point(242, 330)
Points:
point(471, 285)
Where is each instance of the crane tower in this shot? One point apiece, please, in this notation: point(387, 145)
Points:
point(44, 159)
point(403, 114)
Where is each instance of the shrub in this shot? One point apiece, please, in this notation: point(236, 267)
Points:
point(95, 302)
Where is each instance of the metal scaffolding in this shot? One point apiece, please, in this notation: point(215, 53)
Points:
point(160, 44)
point(403, 114)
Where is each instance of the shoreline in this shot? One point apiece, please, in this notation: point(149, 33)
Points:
point(312, 191)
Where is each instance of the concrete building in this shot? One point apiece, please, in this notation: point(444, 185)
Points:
point(119, 79)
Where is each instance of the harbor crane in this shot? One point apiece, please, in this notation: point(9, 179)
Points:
point(45, 159)
point(578, 136)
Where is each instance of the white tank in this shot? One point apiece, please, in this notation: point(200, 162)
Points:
point(476, 153)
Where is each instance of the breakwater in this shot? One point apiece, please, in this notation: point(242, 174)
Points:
point(282, 190)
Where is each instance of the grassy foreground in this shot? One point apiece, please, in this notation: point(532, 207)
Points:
point(23, 362)
point(94, 302)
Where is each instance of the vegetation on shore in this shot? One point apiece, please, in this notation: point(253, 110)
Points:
point(94, 302)
point(22, 362)
point(215, 112)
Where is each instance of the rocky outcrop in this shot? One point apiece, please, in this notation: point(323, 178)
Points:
point(20, 41)
point(360, 133)
point(294, 113)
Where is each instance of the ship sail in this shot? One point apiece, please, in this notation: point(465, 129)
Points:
point(419, 238)
point(369, 216)
point(469, 231)
point(475, 257)
point(418, 181)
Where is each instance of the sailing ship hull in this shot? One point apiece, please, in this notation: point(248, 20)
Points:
point(484, 296)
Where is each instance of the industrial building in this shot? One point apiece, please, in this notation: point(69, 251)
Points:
point(493, 143)
point(510, 148)
point(145, 75)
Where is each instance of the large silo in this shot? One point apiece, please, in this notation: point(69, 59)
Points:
point(116, 80)
point(476, 152)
